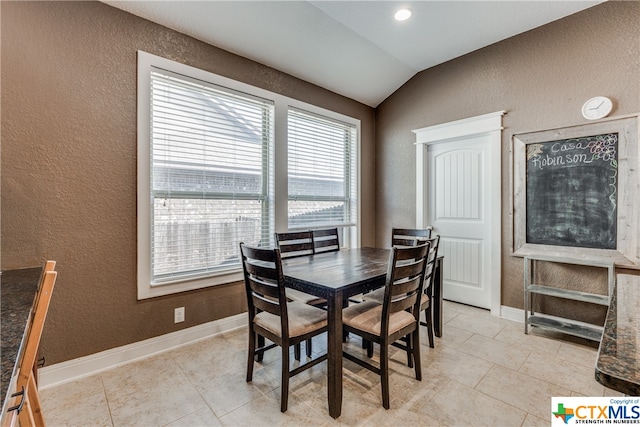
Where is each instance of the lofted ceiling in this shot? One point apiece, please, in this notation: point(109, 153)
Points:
point(353, 48)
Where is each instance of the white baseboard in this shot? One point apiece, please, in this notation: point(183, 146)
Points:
point(510, 313)
point(71, 370)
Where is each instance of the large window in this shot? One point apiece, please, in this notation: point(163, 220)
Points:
point(210, 175)
point(322, 171)
point(218, 165)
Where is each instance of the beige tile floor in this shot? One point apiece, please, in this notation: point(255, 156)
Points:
point(484, 371)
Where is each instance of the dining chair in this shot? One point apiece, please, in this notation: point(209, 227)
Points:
point(402, 237)
point(325, 240)
point(30, 410)
point(425, 300)
point(273, 317)
point(398, 316)
point(409, 236)
point(298, 244)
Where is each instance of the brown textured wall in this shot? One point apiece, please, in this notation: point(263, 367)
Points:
point(541, 78)
point(69, 165)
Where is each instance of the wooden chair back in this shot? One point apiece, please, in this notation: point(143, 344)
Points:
point(404, 282)
point(325, 240)
point(264, 283)
point(293, 244)
point(409, 236)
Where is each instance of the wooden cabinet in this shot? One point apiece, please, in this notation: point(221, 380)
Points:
point(564, 325)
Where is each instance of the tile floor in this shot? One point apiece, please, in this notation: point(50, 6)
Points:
point(484, 371)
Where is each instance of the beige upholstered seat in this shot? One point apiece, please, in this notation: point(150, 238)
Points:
point(367, 317)
point(398, 315)
point(303, 319)
point(376, 296)
point(296, 295)
point(273, 317)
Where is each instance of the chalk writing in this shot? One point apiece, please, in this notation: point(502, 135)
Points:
point(574, 151)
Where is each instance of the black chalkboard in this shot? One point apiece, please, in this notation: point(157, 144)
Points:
point(572, 192)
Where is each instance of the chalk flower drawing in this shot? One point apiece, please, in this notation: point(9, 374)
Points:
point(604, 147)
point(533, 150)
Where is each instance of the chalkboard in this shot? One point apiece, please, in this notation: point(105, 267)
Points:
point(572, 192)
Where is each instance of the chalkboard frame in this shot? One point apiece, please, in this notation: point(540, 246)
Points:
point(627, 251)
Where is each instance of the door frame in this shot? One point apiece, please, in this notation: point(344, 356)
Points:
point(489, 125)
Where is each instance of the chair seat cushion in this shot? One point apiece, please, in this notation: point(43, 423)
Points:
point(367, 317)
point(424, 302)
point(296, 295)
point(303, 318)
point(377, 296)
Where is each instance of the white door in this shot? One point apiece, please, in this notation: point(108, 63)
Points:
point(461, 200)
point(458, 212)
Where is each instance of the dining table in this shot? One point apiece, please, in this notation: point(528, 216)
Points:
point(336, 276)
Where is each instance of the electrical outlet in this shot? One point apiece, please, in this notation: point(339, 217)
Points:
point(178, 315)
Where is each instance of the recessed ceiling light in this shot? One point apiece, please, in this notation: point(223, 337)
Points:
point(403, 14)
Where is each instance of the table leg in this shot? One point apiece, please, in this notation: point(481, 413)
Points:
point(437, 296)
point(334, 350)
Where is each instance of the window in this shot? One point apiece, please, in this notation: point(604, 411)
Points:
point(217, 165)
point(210, 175)
point(321, 172)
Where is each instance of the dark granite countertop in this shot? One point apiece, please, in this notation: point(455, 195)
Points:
point(17, 292)
point(618, 364)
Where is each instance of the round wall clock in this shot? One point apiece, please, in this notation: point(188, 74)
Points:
point(597, 108)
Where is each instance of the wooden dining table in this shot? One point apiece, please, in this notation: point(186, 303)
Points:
point(336, 276)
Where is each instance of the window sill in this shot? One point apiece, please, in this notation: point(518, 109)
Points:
point(148, 290)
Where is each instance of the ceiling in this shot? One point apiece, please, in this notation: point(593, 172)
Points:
point(353, 48)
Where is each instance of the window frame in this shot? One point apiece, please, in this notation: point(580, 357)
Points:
point(279, 199)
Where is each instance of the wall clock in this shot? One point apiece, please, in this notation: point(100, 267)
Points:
point(597, 108)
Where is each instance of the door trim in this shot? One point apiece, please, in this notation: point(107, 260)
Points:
point(491, 126)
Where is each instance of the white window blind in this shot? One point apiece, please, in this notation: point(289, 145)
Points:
point(321, 171)
point(211, 176)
